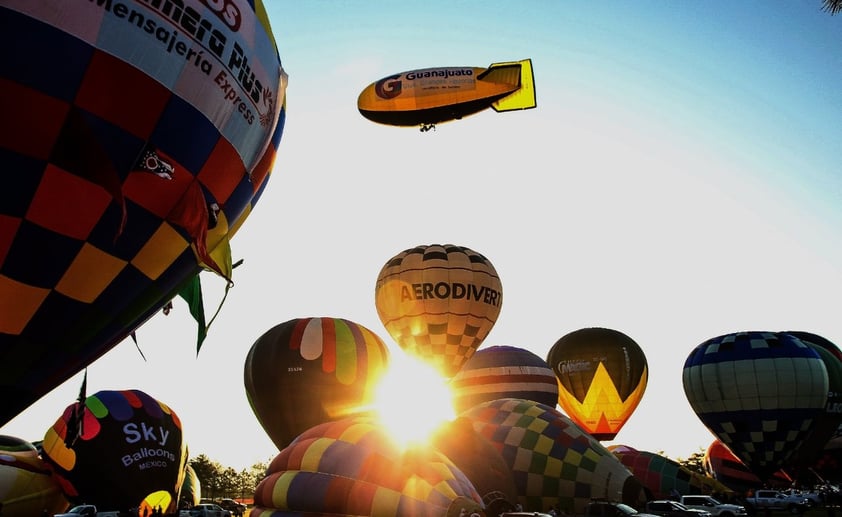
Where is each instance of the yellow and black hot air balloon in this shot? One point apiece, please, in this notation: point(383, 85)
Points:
point(439, 302)
point(602, 375)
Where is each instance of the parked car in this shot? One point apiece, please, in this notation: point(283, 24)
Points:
point(205, 510)
point(605, 508)
point(236, 509)
point(87, 510)
point(714, 506)
point(764, 499)
point(669, 508)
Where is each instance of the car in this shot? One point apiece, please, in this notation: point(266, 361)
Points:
point(236, 509)
point(670, 508)
point(606, 508)
point(713, 505)
point(205, 510)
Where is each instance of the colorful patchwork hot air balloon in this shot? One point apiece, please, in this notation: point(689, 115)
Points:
point(602, 375)
point(307, 371)
point(500, 372)
point(439, 302)
point(352, 467)
point(135, 141)
point(480, 461)
point(27, 487)
point(758, 392)
point(662, 476)
point(117, 448)
point(553, 461)
point(434, 95)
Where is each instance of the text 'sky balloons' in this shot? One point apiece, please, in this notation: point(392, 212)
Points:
point(433, 95)
point(307, 371)
point(758, 393)
point(661, 475)
point(503, 371)
point(602, 375)
point(827, 422)
point(721, 464)
point(480, 461)
point(439, 302)
point(135, 142)
point(352, 467)
point(553, 460)
point(26, 484)
point(117, 449)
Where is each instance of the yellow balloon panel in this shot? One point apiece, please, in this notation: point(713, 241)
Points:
point(439, 302)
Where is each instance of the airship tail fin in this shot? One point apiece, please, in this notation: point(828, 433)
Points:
point(514, 72)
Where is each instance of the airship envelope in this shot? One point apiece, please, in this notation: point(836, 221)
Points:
point(433, 95)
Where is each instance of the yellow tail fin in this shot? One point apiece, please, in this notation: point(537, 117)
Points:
point(515, 72)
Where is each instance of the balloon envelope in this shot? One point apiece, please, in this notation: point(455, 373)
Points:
point(602, 375)
point(117, 449)
point(352, 467)
point(661, 475)
point(757, 392)
point(26, 484)
point(503, 371)
point(721, 464)
point(307, 371)
point(439, 302)
point(827, 422)
point(553, 461)
point(135, 144)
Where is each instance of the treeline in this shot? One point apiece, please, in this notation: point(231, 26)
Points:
point(218, 481)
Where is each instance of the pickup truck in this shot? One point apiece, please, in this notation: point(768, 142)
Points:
point(714, 506)
point(775, 500)
point(670, 508)
point(86, 510)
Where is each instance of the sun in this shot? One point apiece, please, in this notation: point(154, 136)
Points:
point(412, 400)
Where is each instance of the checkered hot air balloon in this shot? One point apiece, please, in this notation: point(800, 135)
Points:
point(439, 302)
point(136, 138)
point(758, 392)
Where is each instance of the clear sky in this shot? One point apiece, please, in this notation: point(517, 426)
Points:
point(680, 179)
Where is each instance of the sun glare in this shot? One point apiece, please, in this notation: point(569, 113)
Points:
point(412, 400)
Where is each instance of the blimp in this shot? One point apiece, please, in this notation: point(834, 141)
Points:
point(430, 96)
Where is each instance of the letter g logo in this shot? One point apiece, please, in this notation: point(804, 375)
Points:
point(388, 87)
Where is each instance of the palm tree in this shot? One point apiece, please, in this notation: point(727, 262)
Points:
point(832, 6)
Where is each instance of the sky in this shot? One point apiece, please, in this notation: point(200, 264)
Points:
point(678, 180)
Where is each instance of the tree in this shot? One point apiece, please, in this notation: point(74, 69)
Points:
point(832, 6)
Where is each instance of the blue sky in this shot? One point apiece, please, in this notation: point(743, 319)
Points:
point(678, 180)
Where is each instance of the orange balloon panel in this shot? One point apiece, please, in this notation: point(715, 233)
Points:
point(602, 375)
point(439, 302)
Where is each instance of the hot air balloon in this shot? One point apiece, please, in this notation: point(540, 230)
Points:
point(480, 461)
point(26, 484)
point(351, 467)
point(662, 476)
point(191, 488)
point(307, 371)
point(553, 461)
point(757, 392)
point(117, 448)
point(503, 371)
point(433, 95)
point(827, 422)
point(602, 375)
point(721, 464)
point(136, 142)
point(439, 302)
